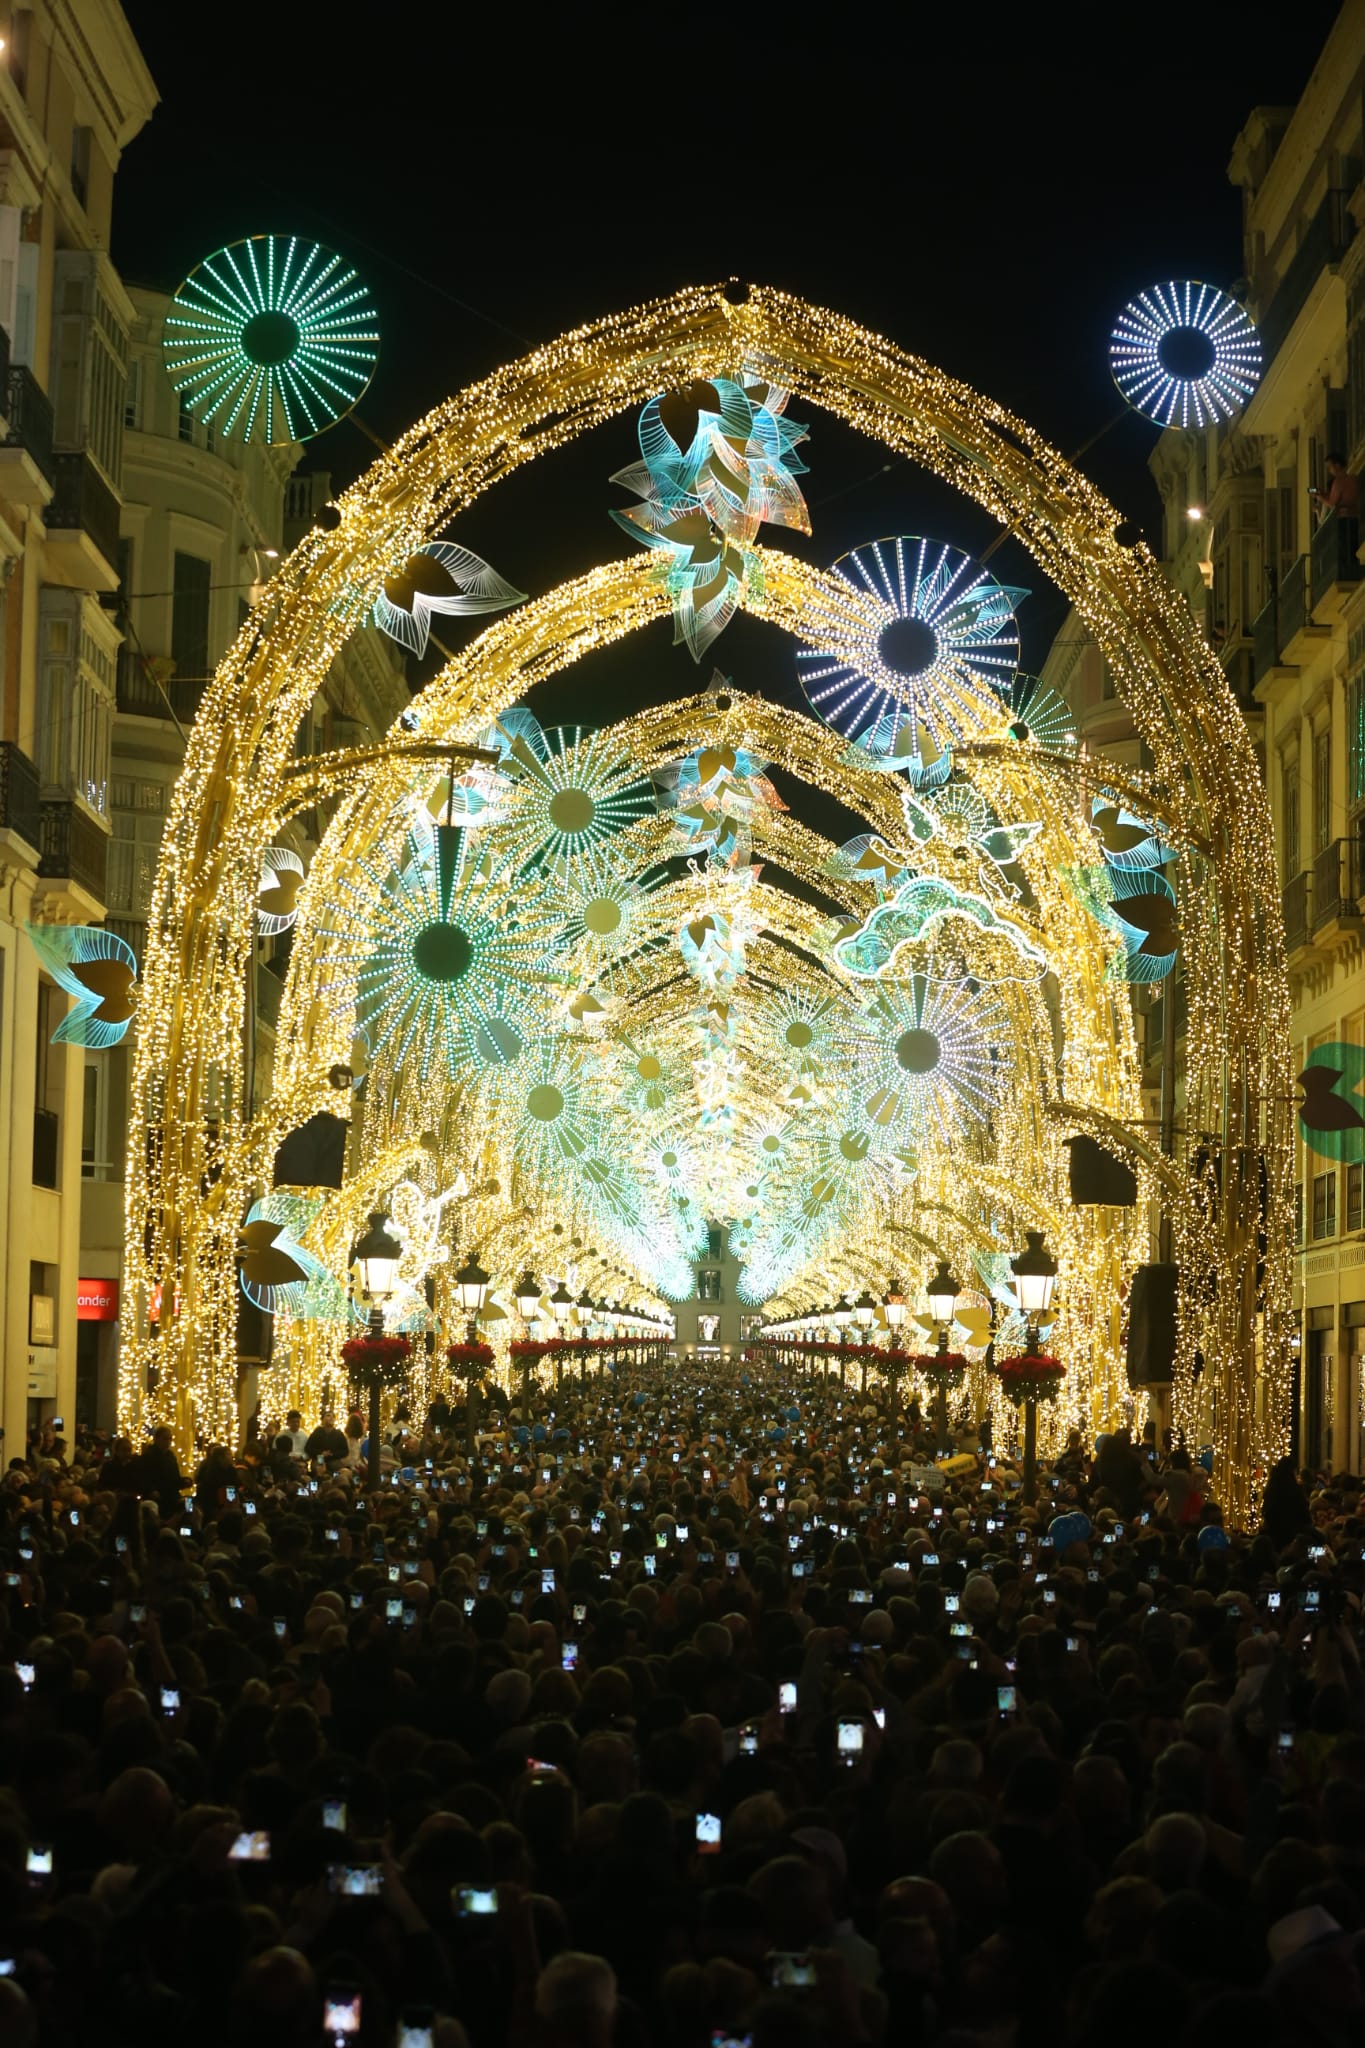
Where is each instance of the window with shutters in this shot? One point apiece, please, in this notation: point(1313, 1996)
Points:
point(190, 617)
point(1322, 789)
point(1289, 817)
point(1355, 1196)
point(1324, 1205)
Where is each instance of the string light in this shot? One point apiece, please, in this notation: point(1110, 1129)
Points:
point(1072, 1041)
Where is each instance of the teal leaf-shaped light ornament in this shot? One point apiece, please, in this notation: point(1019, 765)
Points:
point(100, 970)
point(277, 1272)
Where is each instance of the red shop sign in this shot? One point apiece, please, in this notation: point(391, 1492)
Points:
point(97, 1301)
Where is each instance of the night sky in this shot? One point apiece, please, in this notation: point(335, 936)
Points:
point(987, 194)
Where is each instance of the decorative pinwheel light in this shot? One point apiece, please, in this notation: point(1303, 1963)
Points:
point(718, 461)
point(1185, 355)
point(100, 970)
point(277, 1272)
point(439, 580)
point(271, 339)
point(925, 639)
point(277, 904)
point(439, 964)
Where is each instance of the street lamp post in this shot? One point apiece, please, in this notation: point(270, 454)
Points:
point(528, 1301)
point(942, 1292)
point(584, 1311)
point(864, 1315)
point(842, 1316)
point(895, 1309)
point(471, 1284)
point(1035, 1274)
point(377, 1254)
point(561, 1301)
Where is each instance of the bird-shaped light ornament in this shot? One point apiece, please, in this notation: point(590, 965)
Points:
point(278, 1273)
point(100, 970)
point(277, 893)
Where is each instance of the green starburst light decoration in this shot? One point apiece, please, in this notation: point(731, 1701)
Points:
point(448, 971)
point(271, 339)
point(577, 793)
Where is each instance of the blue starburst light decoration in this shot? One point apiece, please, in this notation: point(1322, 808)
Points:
point(1185, 355)
point(924, 638)
point(929, 1046)
point(100, 970)
point(444, 957)
point(271, 339)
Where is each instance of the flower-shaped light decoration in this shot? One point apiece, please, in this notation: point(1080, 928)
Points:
point(923, 638)
point(277, 893)
point(271, 339)
point(443, 580)
point(277, 1272)
point(1185, 355)
point(100, 970)
point(1139, 905)
point(722, 792)
point(718, 461)
point(1127, 840)
point(443, 956)
point(575, 794)
point(931, 1050)
point(712, 948)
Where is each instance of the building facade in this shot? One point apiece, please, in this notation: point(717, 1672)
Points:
point(204, 522)
point(74, 92)
point(1275, 576)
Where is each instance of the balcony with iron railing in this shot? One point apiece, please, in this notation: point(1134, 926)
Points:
point(1323, 243)
point(84, 507)
point(74, 849)
point(26, 459)
point(20, 805)
point(1296, 612)
point(1336, 884)
point(1334, 556)
point(1265, 640)
point(142, 694)
point(1294, 901)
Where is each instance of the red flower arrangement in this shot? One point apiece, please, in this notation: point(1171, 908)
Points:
point(470, 1357)
point(383, 1359)
point(940, 1368)
point(1030, 1376)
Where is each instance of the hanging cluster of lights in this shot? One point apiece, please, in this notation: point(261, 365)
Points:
point(789, 1159)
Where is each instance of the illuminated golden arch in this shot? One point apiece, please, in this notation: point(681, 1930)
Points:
point(188, 1069)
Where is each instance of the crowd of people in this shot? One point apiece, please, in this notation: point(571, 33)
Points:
point(695, 1709)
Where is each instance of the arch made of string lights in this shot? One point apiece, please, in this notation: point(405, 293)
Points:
point(1232, 1237)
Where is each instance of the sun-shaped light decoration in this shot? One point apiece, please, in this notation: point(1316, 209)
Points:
point(930, 1048)
point(444, 958)
point(576, 793)
point(1185, 355)
point(545, 1096)
point(604, 940)
point(271, 339)
point(925, 638)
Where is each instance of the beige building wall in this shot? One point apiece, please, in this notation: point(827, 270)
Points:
point(74, 92)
